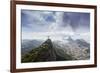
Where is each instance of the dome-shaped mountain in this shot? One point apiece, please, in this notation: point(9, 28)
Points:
point(46, 52)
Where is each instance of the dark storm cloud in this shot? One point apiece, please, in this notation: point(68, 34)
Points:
point(76, 19)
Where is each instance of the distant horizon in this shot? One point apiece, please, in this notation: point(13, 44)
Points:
point(54, 39)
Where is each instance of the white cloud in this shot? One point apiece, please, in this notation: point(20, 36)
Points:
point(44, 35)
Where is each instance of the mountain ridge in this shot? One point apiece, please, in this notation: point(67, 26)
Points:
point(46, 52)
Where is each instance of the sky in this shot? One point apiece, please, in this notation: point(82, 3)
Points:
point(56, 24)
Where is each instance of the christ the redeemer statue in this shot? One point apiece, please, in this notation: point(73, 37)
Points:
point(48, 37)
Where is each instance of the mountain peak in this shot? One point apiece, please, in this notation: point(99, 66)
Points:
point(46, 52)
point(48, 41)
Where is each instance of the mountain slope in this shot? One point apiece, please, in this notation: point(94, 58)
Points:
point(46, 52)
point(78, 49)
